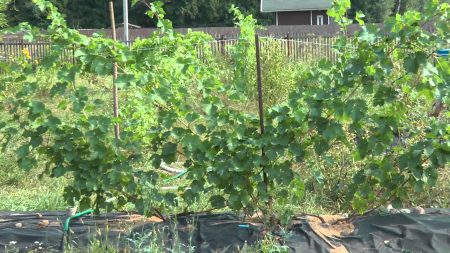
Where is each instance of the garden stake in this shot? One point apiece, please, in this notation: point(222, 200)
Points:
point(115, 91)
point(74, 61)
point(261, 122)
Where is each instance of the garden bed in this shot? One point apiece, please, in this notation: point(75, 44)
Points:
point(224, 232)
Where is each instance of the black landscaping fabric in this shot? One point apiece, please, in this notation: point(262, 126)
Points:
point(30, 236)
point(402, 233)
point(204, 233)
point(428, 232)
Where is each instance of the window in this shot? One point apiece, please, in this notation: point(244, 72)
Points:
point(319, 19)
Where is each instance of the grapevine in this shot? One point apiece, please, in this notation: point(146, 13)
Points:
point(177, 108)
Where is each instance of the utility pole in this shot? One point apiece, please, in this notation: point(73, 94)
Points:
point(399, 2)
point(125, 21)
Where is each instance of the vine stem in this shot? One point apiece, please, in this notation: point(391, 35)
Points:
point(354, 215)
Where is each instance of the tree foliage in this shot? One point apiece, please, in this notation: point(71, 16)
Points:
point(3, 13)
point(184, 13)
point(378, 11)
point(3, 17)
point(375, 11)
point(94, 14)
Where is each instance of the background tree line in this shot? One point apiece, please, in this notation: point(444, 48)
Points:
point(183, 13)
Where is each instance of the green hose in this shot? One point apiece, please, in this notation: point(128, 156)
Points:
point(179, 175)
point(78, 215)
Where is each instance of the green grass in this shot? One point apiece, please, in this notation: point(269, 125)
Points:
point(26, 191)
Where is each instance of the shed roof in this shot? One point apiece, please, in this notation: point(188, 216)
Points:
point(294, 5)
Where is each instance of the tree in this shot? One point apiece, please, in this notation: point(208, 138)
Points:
point(375, 12)
point(378, 10)
point(90, 14)
point(78, 13)
point(183, 13)
point(19, 11)
point(201, 13)
point(401, 6)
point(95, 14)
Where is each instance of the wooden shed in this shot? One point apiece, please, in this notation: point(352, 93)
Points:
point(298, 12)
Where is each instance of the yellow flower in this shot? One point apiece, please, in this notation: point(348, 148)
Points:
point(26, 53)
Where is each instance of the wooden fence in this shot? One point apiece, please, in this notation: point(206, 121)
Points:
point(226, 33)
point(299, 43)
point(13, 49)
point(305, 49)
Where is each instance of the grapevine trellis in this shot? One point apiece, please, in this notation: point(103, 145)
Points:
point(178, 108)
